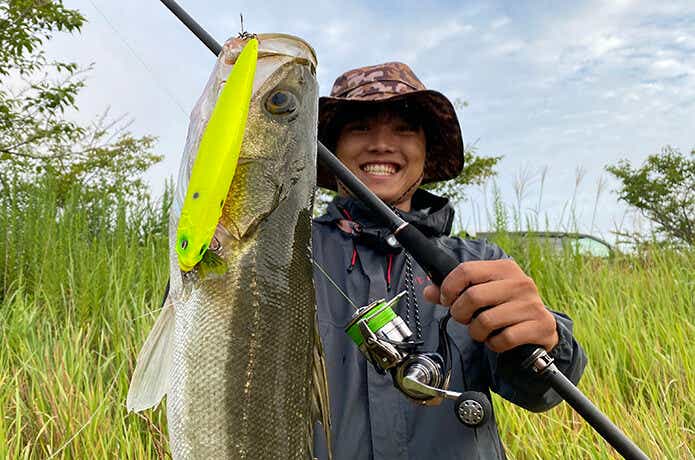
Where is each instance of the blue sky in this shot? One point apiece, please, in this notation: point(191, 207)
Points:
point(560, 87)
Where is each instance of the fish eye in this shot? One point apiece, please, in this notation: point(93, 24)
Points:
point(281, 102)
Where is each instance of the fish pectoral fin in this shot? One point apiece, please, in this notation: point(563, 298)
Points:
point(150, 379)
point(320, 402)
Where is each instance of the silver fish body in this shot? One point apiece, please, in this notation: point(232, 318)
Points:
point(246, 378)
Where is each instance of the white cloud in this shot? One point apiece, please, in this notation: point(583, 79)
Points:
point(507, 47)
point(669, 68)
point(603, 44)
point(430, 37)
point(500, 22)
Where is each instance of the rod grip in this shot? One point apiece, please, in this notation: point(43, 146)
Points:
point(436, 261)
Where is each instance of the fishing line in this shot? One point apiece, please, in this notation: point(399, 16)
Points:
point(120, 36)
point(149, 313)
point(334, 284)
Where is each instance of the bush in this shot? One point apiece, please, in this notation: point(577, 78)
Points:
point(662, 189)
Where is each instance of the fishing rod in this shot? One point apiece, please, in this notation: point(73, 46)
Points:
point(386, 341)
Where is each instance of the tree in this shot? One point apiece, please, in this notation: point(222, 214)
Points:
point(36, 137)
point(662, 189)
point(476, 170)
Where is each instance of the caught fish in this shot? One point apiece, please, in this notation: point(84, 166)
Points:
point(236, 347)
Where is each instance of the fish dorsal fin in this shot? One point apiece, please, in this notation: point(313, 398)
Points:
point(320, 402)
point(151, 377)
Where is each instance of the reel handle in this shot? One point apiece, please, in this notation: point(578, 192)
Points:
point(472, 408)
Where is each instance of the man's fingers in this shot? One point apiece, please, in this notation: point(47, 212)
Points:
point(431, 293)
point(474, 272)
point(487, 295)
point(496, 318)
point(520, 334)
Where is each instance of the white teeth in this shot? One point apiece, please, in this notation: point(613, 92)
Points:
point(379, 169)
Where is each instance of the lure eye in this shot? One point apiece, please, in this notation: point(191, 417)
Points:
point(281, 102)
point(184, 243)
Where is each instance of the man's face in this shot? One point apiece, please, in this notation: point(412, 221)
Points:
point(386, 153)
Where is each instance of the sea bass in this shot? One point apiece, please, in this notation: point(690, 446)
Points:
point(236, 346)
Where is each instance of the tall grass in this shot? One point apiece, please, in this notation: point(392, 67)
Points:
point(78, 280)
point(633, 316)
point(80, 286)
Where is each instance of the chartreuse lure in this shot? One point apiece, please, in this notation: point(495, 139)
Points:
point(216, 161)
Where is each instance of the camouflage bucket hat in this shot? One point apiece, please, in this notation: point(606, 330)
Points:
point(386, 83)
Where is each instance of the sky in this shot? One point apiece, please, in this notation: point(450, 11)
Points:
point(559, 89)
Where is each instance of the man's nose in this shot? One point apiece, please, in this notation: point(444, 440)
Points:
point(381, 140)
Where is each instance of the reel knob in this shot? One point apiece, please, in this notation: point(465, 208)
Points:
point(473, 409)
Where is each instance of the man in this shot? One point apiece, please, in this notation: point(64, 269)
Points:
point(395, 135)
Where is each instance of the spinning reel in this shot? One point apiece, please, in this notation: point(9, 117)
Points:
point(387, 342)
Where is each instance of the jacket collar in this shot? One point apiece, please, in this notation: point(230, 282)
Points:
point(431, 214)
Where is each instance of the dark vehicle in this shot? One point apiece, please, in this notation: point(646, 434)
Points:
point(582, 243)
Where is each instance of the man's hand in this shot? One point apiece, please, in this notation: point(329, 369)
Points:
point(515, 306)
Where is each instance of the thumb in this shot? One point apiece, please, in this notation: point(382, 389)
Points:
point(431, 293)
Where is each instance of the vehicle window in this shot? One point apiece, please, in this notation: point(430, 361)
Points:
point(592, 247)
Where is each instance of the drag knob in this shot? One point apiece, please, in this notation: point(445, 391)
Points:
point(473, 409)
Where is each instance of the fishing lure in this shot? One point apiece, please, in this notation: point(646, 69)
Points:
point(216, 161)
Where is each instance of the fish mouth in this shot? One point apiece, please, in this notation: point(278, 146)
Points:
point(381, 168)
point(273, 45)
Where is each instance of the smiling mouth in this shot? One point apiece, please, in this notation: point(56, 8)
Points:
point(380, 169)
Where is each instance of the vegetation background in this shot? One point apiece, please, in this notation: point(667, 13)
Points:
point(83, 264)
point(79, 296)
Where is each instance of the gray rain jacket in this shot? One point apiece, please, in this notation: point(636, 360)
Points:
point(371, 419)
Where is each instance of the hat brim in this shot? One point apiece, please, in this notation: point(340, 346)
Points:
point(444, 157)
